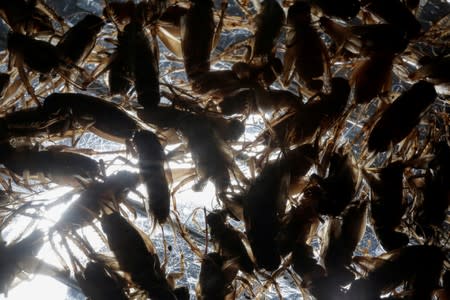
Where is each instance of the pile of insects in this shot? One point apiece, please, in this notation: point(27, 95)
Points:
point(314, 124)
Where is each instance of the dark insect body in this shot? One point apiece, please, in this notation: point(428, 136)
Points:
point(92, 111)
point(305, 50)
point(31, 122)
point(151, 166)
point(268, 26)
point(197, 34)
point(146, 72)
point(322, 113)
point(31, 17)
point(207, 147)
point(337, 189)
point(419, 267)
point(135, 61)
point(98, 197)
point(296, 228)
point(229, 241)
point(97, 284)
point(366, 40)
point(58, 166)
point(78, 41)
point(388, 205)
point(4, 82)
point(18, 257)
point(433, 69)
point(215, 278)
point(257, 99)
point(431, 213)
point(202, 122)
point(372, 77)
point(264, 205)
point(38, 55)
point(343, 9)
point(343, 236)
point(136, 257)
point(401, 116)
point(394, 12)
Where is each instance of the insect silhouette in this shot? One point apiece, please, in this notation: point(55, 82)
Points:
point(151, 165)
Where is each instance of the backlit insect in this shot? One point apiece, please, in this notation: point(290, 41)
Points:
point(401, 116)
point(306, 54)
point(151, 164)
point(286, 207)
